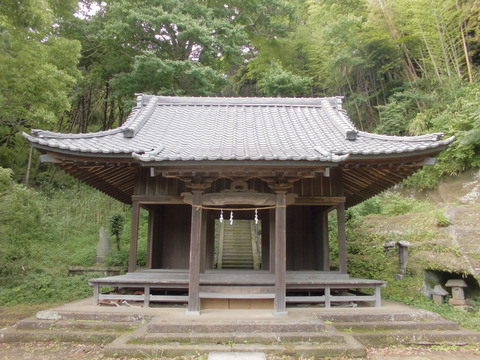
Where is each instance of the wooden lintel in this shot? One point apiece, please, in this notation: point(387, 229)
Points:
point(319, 200)
point(158, 199)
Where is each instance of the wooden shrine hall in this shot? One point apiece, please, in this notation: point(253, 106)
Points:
point(239, 193)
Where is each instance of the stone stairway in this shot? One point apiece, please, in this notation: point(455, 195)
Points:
point(71, 327)
point(283, 338)
point(310, 332)
point(237, 245)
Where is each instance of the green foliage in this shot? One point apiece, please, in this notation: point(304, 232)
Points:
point(367, 258)
point(120, 257)
point(42, 234)
point(115, 227)
point(389, 203)
point(277, 82)
point(168, 77)
point(38, 67)
point(455, 113)
point(20, 225)
point(42, 287)
point(442, 220)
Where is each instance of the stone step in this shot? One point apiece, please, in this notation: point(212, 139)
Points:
point(241, 338)
point(58, 315)
point(245, 252)
point(417, 337)
point(33, 323)
point(235, 326)
point(130, 345)
point(236, 259)
point(237, 246)
point(64, 335)
point(417, 315)
point(176, 350)
point(396, 325)
point(237, 266)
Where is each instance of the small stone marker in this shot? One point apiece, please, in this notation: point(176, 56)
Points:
point(403, 246)
point(103, 246)
point(438, 294)
point(458, 295)
point(237, 356)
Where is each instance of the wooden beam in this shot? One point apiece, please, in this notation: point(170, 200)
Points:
point(132, 260)
point(158, 199)
point(280, 254)
point(319, 200)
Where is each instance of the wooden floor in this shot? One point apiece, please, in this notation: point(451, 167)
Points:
point(172, 286)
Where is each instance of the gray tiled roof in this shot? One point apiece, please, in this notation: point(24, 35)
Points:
point(187, 128)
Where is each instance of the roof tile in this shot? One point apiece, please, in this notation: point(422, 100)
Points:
point(189, 128)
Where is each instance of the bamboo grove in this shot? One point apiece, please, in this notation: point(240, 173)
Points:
point(403, 66)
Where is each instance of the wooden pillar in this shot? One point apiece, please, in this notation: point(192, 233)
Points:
point(203, 242)
point(132, 259)
point(342, 239)
point(150, 236)
point(272, 239)
point(325, 242)
point(280, 307)
point(196, 235)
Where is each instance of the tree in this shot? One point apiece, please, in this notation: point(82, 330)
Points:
point(116, 227)
point(277, 81)
point(38, 69)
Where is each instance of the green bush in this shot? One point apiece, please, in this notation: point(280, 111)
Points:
point(42, 233)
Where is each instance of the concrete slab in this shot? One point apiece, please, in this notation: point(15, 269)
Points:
point(177, 313)
point(237, 356)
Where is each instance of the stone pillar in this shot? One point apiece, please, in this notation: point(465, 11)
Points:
point(402, 259)
point(103, 245)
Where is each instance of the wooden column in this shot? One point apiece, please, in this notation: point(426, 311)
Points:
point(150, 236)
point(132, 259)
point(342, 240)
point(196, 235)
point(325, 242)
point(272, 239)
point(203, 242)
point(280, 307)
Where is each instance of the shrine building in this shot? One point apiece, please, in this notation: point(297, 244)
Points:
point(239, 194)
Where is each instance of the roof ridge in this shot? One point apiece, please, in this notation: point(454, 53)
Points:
point(339, 120)
point(46, 134)
point(134, 126)
point(414, 138)
point(245, 101)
